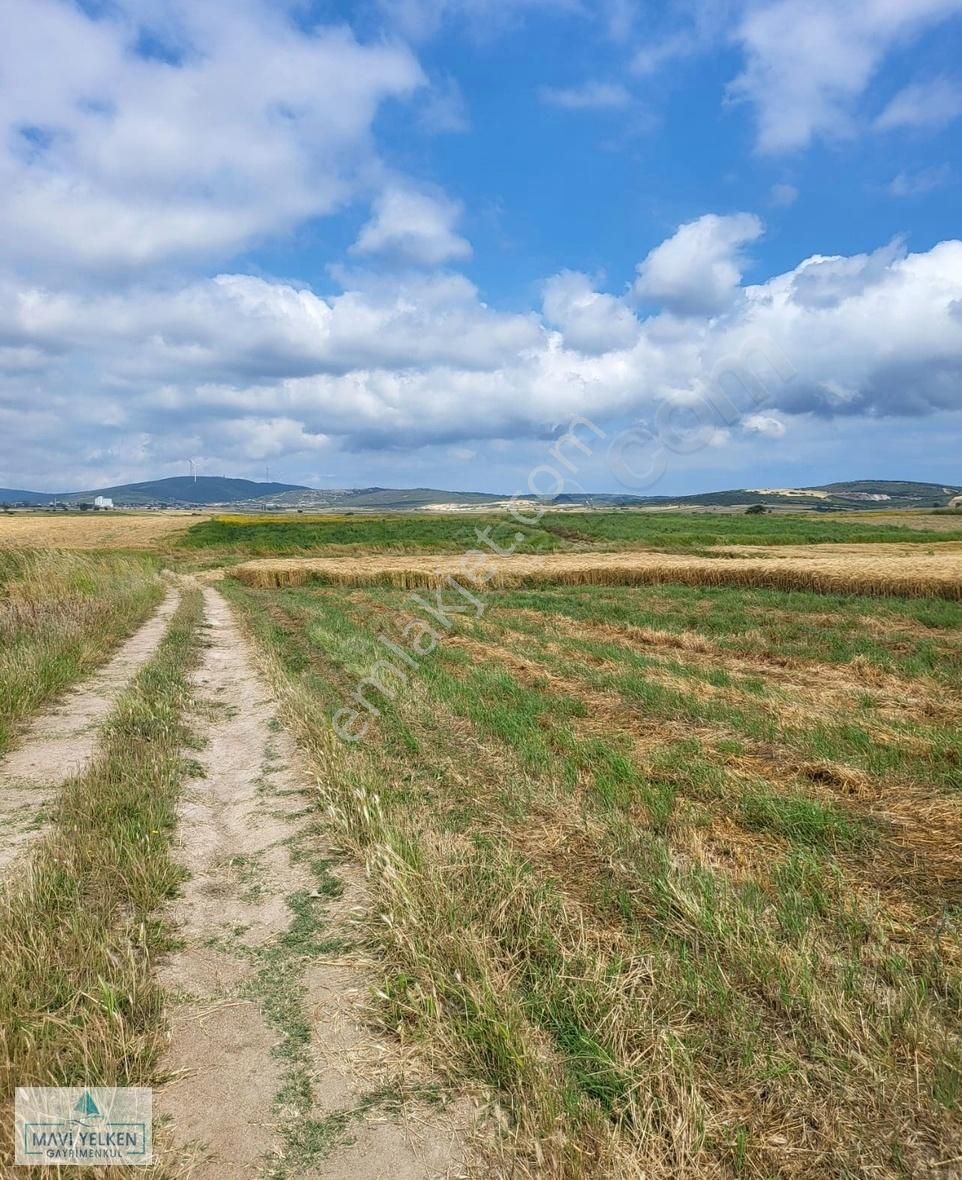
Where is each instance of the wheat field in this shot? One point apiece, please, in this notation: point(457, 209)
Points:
point(912, 571)
point(123, 530)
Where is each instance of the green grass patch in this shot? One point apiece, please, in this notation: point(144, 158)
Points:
point(555, 531)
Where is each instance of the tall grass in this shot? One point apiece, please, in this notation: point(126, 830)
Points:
point(78, 933)
point(61, 614)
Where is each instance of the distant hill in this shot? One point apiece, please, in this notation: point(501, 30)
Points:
point(18, 496)
point(250, 495)
point(385, 499)
point(178, 490)
point(850, 494)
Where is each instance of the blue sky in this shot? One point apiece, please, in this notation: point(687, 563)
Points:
point(405, 242)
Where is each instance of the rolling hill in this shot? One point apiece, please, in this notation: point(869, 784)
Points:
point(384, 499)
point(846, 495)
point(177, 490)
point(252, 496)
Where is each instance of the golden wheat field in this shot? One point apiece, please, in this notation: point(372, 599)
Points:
point(867, 569)
point(127, 530)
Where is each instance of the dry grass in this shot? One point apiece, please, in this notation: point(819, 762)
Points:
point(100, 530)
point(904, 570)
point(61, 614)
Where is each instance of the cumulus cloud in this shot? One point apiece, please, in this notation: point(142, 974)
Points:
point(830, 281)
point(416, 226)
point(767, 425)
point(590, 321)
point(808, 62)
point(923, 104)
point(241, 327)
point(240, 368)
point(696, 270)
point(242, 126)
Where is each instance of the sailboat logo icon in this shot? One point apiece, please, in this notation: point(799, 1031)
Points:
point(87, 1106)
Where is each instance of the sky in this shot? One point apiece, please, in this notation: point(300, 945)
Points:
point(414, 242)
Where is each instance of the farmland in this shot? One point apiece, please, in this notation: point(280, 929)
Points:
point(636, 852)
point(95, 530)
point(544, 532)
point(676, 872)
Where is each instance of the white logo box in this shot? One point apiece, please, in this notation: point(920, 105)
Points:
point(92, 1126)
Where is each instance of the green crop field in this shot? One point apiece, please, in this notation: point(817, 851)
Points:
point(676, 872)
point(553, 531)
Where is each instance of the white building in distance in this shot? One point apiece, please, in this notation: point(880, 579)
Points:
point(103, 502)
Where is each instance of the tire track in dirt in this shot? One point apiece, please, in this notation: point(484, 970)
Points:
point(59, 742)
point(270, 1070)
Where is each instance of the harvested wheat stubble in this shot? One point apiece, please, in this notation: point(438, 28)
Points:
point(875, 569)
point(121, 530)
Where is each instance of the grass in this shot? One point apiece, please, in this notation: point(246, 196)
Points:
point(676, 874)
point(61, 615)
point(553, 532)
point(402, 533)
point(79, 932)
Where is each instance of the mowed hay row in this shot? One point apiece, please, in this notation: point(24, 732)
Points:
point(877, 572)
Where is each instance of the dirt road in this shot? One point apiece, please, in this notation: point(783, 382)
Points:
point(60, 741)
point(272, 1072)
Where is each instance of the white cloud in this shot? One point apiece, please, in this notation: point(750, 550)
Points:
point(923, 104)
point(590, 96)
point(696, 270)
point(110, 159)
point(241, 369)
point(809, 61)
point(415, 226)
point(767, 425)
point(591, 322)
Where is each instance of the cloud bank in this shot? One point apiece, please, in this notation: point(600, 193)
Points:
point(240, 368)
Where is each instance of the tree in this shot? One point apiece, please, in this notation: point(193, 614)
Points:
point(755, 510)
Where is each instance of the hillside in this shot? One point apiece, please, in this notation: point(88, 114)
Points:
point(19, 496)
point(846, 495)
point(177, 490)
point(385, 499)
point(252, 496)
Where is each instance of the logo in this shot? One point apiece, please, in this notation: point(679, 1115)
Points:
point(96, 1126)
